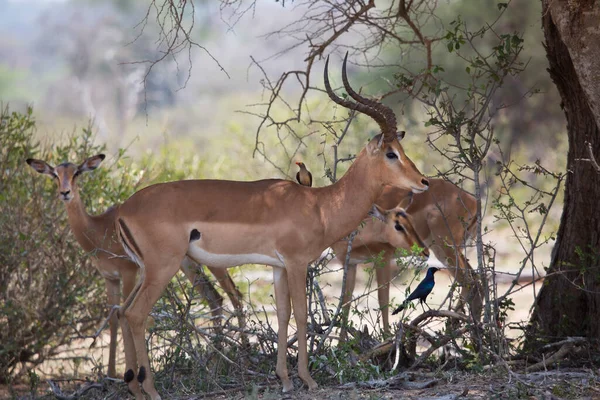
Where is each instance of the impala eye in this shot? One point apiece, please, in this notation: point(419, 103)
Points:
point(399, 227)
point(76, 174)
point(391, 155)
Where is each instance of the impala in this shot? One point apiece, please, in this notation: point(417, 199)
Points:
point(444, 218)
point(96, 235)
point(275, 222)
point(388, 231)
point(381, 233)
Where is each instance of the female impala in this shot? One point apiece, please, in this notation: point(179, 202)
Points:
point(440, 219)
point(274, 222)
point(393, 229)
point(386, 232)
point(96, 235)
point(444, 218)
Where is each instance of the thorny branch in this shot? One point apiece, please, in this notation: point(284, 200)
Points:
point(176, 20)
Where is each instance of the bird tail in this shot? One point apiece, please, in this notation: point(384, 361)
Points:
point(400, 308)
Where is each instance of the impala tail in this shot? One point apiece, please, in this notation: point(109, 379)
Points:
point(126, 239)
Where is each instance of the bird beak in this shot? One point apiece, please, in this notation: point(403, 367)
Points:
point(298, 163)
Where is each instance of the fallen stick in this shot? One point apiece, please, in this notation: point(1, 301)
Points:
point(61, 396)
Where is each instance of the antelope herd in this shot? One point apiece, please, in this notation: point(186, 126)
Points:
point(166, 227)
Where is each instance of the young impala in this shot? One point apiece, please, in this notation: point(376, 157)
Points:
point(274, 222)
point(96, 235)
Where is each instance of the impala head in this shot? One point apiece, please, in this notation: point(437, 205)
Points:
point(389, 165)
point(399, 231)
point(66, 174)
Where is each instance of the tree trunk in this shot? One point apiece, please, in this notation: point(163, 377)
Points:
point(569, 302)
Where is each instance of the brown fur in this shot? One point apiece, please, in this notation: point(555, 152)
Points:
point(444, 218)
point(374, 237)
point(96, 235)
point(288, 223)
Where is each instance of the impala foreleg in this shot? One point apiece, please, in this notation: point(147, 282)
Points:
point(297, 285)
point(346, 300)
point(282, 304)
point(383, 275)
point(114, 299)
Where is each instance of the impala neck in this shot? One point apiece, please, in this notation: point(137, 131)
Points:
point(346, 203)
point(80, 221)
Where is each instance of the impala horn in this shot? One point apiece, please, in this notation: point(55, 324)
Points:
point(383, 115)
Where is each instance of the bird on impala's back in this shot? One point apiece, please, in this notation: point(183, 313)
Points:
point(304, 177)
point(421, 292)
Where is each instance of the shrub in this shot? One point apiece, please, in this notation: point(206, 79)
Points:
point(50, 294)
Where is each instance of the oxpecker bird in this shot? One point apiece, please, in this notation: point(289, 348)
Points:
point(304, 177)
point(421, 292)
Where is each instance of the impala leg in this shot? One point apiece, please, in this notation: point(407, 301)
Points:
point(383, 277)
point(346, 298)
point(113, 290)
point(136, 315)
point(234, 295)
point(282, 304)
point(461, 270)
point(297, 287)
point(129, 280)
point(202, 285)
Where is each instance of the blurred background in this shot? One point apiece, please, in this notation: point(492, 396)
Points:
point(76, 61)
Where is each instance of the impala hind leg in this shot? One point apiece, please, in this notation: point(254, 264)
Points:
point(113, 293)
point(136, 315)
point(155, 277)
point(129, 280)
point(297, 288)
point(284, 310)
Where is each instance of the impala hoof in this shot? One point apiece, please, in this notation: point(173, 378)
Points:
point(288, 386)
point(312, 385)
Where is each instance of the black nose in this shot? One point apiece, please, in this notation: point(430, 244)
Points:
point(425, 182)
point(65, 193)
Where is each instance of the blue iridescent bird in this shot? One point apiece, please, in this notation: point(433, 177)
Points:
point(421, 292)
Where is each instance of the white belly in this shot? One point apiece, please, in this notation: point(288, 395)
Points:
point(231, 260)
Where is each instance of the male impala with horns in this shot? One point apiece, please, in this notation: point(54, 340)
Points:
point(275, 222)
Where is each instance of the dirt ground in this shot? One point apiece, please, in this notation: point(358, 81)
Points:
point(562, 384)
point(548, 385)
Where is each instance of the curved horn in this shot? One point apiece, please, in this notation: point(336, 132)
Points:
point(361, 107)
point(389, 130)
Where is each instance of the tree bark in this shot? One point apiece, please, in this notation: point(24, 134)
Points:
point(569, 302)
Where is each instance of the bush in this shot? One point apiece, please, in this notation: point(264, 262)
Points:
point(50, 294)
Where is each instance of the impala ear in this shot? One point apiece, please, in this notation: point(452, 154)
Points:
point(377, 212)
point(375, 145)
point(406, 202)
point(91, 163)
point(400, 135)
point(41, 166)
